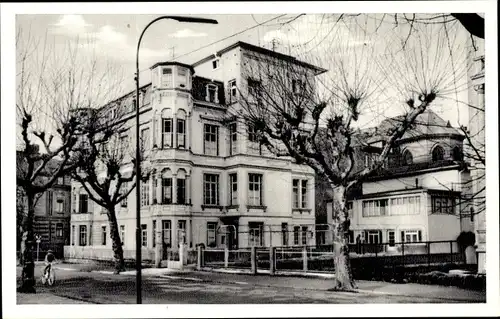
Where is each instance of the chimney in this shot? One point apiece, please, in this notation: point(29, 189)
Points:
point(416, 182)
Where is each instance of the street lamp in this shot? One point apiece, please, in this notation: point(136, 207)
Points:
point(137, 153)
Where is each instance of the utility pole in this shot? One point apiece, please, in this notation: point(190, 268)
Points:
point(173, 51)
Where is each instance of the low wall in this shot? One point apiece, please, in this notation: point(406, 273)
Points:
point(103, 253)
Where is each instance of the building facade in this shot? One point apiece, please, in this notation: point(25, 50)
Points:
point(210, 182)
point(476, 146)
point(419, 193)
point(52, 214)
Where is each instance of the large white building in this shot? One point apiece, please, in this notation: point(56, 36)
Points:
point(211, 183)
point(419, 195)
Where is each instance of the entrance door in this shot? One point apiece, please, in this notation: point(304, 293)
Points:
point(166, 227)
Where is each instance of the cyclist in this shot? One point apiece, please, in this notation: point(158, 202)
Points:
point(49, 258)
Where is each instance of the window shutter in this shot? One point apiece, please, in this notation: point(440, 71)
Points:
point(419, 235)
point(204, 138)
point(402, 236)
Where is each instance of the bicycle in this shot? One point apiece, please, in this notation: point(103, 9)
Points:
point(48, 276)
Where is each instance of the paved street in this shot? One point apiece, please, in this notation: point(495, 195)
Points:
point(74, 286)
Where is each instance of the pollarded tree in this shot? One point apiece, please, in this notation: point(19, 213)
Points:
point(51, 84)
point(106, 164)
point(310, 114)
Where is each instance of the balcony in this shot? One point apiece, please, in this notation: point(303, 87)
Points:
point(395, 171)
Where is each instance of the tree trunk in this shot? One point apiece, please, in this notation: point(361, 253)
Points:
point(116, 241)
point(343, 274)
point(28, 274)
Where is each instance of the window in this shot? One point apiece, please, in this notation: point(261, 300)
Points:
point(73, 235)
point(391, 235)
point(373, 236)
point(167, 233)
point(123, 144)
point(167, 190)
point(144, 193)
point(284, 234)
point(369, 160)
point(211, 140)
point(211, 232)
point(350, 237)
point(252, 134)
point(437, 154)
point(256, 235)
point(297, 86)
point(83, 235)
point(457, 154)
point(103, 235)
point(122, 234)
point(211, 189)
point(405, 205)
point(60, 205)
point(254, 89)
point(181, 133)
point(59, 230)
point(407, 158)
point(349, 207)
point(304, 194)
point(296, 233)
point(233, 134)
point(233, 91)
point(181, 191)
point(83, 203)
point(144, 235)
point(411, 236)
point(443, 205)
point(215, 64)
point(181, 77)
point(124, 189)
point(304, 235)
point(211, 93)
point(295, 193)
point(166, 79)
point(181, 231)
point(375, 208)
point(255, 189)
point(233, 188)
point(154, 234)
point(167, 136)
point(145, 138)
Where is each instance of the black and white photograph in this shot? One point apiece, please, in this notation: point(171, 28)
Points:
point(277, 159)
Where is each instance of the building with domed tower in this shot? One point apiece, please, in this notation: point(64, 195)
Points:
point(419, 193)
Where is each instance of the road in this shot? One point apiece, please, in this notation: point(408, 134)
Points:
point(218, 288)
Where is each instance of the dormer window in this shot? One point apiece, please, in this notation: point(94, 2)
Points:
point(212, 93)
point(437, 154)
point(166, 78)
point(215, 64)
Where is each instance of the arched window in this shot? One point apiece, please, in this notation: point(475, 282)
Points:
point(437, 154)
point(457, 154)
point(407, 158)
point(167, 128)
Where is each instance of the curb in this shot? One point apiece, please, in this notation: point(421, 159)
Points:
point(278, 273)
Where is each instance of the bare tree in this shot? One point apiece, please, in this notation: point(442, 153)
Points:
point(106, 168)
point(49, 87)
point(305, 113)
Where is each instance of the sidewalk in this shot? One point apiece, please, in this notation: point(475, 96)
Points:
point(46, 298)
point(322, 281)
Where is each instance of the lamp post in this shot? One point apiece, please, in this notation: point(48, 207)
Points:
point(138, 153)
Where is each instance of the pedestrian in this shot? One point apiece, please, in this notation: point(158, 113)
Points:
point(358, 244)
point(49, 258)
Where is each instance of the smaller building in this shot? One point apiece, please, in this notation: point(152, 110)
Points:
point(418, 195)
point(52, 213)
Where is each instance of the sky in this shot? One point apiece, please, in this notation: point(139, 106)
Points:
point(113, 38)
